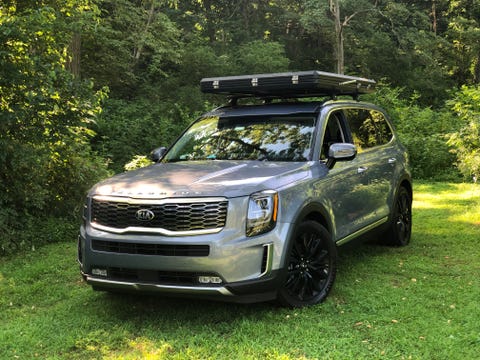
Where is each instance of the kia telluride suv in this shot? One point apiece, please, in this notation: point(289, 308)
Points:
point(252, 200)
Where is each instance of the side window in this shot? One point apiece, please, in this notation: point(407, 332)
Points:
point(334, 133)
point(369, 128)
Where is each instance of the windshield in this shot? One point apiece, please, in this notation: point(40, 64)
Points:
point(273, 138)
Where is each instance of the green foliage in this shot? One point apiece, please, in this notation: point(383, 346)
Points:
point(464, 34)
point(46, 160)
point(137, 162)
point(30, 233)
point(423, 131)
point(466, 141)
point(129, 128)
point(262, 57)
point(397, 42)
point(132, 46)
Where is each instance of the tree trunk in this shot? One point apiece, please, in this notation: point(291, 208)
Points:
point(138, 51)
point(73, 63)
point(476, 71)
point(434, 17)
point(338, 47)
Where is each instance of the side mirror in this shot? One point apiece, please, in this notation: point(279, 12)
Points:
point(158, 153)
point(340, 152)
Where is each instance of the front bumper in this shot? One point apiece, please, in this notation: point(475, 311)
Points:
point(249, 268)
point(264, 289)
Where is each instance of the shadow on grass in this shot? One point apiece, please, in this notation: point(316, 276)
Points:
point(155, 310)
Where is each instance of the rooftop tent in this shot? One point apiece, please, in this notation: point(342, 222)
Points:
point(289, 84)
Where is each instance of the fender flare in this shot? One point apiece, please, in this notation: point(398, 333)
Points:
point(309, 211)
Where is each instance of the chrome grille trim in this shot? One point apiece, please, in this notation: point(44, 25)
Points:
point(174, 216)
point(160, 231)
point(267, 259)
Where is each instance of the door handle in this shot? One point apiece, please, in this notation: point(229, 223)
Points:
point(392, 161)
point(362, 169)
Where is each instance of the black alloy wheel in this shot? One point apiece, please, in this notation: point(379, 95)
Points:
point(400, 230)
point(311, 266)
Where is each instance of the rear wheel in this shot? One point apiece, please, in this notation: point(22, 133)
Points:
point(311, 266)
point(400, 229)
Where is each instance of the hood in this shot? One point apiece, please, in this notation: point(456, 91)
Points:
point(203, 178)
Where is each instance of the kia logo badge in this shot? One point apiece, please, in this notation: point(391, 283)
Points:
point(144, 215)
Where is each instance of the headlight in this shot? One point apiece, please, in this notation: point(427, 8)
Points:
point(262, 212)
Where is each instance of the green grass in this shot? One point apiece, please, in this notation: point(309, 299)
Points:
point(417, 302)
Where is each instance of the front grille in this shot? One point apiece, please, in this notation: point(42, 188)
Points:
point(176, 217)
point(150, 249)
point(156, 277)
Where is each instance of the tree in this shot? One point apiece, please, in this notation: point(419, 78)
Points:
point(464, 35)
point(133, 44)
point(319, 14)
point(339, 29)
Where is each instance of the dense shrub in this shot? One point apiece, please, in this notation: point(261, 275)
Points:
point(130, 128)
point(46, 160)
point(465, 142)
point(25, 232)
point(423, 131)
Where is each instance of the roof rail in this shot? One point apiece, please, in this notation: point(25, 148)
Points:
point(288, 85)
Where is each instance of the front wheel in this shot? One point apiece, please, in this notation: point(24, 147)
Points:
point(312, 265)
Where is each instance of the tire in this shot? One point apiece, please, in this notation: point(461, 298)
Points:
point(400, 230)
point(311, 266)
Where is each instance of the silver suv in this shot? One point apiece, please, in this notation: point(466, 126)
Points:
point(252, 200)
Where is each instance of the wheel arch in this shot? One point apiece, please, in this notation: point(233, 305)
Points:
point(407, 184)
point(314, 211)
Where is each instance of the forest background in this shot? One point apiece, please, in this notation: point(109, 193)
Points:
point(89, 87)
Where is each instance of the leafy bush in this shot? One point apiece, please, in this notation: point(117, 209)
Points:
point(465, 142)
point(26, 232)
point(137, 162)
point(45, 155)
point(262, 57)
point(126, 129)
point(424, 133)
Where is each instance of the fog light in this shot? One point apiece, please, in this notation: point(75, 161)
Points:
point(209, 280)
point(99, 272)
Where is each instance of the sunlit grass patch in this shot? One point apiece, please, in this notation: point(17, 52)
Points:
point(456, 206)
